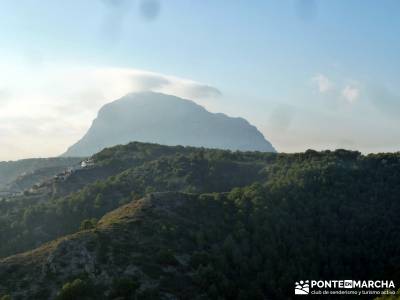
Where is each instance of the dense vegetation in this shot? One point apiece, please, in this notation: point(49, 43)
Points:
point(247, 226)
point(40, 168)
point(30, 220)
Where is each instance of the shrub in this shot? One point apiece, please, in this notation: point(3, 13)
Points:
point(124, 288)
point(166, 257)
point(88, 224)
point(77, 289)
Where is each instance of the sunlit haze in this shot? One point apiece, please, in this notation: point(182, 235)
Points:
point(308, 74)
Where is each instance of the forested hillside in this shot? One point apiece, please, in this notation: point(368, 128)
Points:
point(58, 207)
point(226, 225)
point(18, 175)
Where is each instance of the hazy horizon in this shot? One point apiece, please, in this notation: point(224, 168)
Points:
point(308, 74)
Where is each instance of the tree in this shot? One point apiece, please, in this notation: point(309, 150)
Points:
point(88, 224)
point(166, 257)
point(77, 289)
point(125, 288)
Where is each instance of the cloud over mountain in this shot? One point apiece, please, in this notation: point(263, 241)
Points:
point(167, 120)
point(72, 97)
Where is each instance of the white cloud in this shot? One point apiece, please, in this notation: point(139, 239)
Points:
point(56, 104)
point(351, 93)
point(338, 90)
point(324, 84)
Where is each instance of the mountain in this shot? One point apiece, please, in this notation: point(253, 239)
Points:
point(58, 206)
point(16, 176)
point(120, 254)
point(167, 222)
point(169, 120)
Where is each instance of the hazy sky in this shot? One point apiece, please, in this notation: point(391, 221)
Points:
point(308, 74)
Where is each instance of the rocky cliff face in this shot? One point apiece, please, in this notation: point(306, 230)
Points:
point(168, 120)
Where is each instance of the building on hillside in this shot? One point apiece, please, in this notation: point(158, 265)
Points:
point(87, 163)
